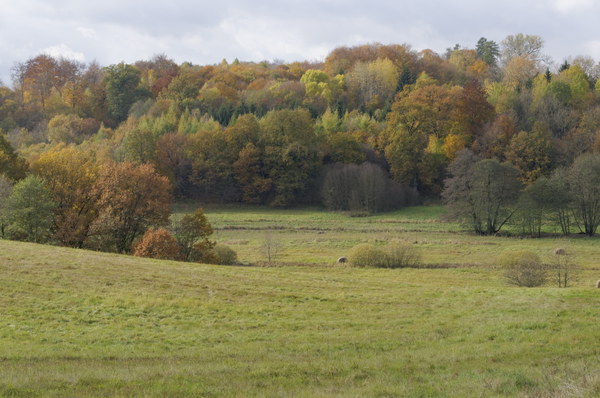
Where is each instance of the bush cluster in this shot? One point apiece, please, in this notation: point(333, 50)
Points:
point(394, 255)
point(225, 255)
point(188, 242)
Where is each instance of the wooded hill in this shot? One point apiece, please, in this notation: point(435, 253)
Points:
point(370, 128)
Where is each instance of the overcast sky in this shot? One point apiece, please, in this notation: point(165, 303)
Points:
point(205, 32)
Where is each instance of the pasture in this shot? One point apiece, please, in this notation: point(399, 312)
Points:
point(75, 323)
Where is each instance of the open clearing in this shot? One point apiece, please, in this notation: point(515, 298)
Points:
point(78, 323)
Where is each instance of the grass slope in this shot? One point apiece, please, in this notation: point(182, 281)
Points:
point(77, 323)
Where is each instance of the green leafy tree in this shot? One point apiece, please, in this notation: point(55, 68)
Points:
point(488, 51)
point(212, 159)
point(5, 191)
point(250, 174)
point(122, 89)
point(12, 165)
point(139, 146)
point(191, 233)
point(30, 210)
point(291, 156)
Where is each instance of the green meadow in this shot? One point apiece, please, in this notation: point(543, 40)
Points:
point(76, 323)
point(315, 237)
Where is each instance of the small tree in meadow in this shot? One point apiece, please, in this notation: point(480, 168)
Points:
point(270, 248)
point(563, 268)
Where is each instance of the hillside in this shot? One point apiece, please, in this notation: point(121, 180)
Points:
point(78, 323)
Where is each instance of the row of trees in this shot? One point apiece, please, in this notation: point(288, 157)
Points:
point(71, 199)
point(486, 195)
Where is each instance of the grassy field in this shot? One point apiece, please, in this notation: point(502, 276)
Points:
point(310, 236)
point(75, 323)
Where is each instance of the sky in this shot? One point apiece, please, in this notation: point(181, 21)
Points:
point(206, 32)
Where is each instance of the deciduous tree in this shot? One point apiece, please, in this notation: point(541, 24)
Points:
point(532, 153)
point(12, 166)
point(157, 243)
point(121, 83)
point(70, 174)
point(130, 200)
point(584, 186)
point(192, 231)
point(30, 211)
point(481, 193)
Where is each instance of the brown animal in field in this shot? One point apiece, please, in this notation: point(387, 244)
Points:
point(342, 260)
point(598, 283)
point(559, 252)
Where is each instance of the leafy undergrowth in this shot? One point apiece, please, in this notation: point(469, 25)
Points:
point(78, 323)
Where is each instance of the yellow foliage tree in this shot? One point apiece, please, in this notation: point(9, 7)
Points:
point(70, 173)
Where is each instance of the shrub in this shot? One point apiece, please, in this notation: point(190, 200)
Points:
point(157, 243)
point(203, 252)
point(367, 255)
point(225, 255)
point(400, 255)
point(395, 255)
point(524, 268)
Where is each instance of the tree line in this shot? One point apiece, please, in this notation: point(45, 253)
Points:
point(372, 127)
point(487, 195)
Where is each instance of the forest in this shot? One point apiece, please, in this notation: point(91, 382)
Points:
point(93, 156)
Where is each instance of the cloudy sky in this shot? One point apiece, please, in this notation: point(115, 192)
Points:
point(205, 32)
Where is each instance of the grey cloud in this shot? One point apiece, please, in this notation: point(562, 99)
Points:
point(204, 32)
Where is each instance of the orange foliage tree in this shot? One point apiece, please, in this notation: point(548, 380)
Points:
point(130, 199)
point(157, 243)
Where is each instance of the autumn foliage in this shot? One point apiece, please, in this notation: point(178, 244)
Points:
point(130, 200)
point(157, 243)
point(113, 145)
